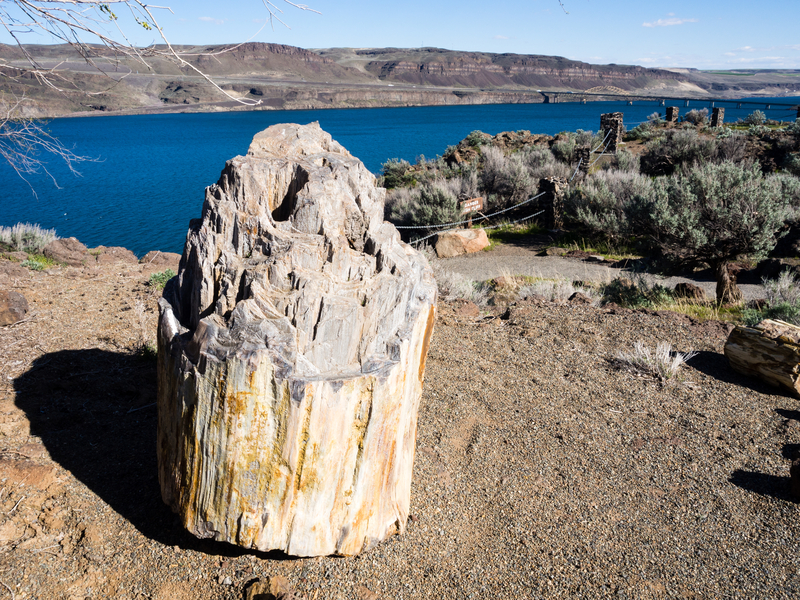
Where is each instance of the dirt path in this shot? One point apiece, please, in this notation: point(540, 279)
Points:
point(524, 259)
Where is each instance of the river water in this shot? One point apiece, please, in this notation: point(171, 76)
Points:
point(150, 171)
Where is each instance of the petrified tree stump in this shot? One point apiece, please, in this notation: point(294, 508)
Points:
point(769, 351)
point(292, 350)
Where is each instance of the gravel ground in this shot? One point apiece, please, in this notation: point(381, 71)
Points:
point(520, 259)
point(542, 468)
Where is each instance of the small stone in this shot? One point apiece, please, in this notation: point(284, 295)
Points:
point(226, 580)
point(467, 309)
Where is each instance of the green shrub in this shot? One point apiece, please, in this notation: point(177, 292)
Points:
point(714, 213)
point(636, 293)
point(643, 131)
point(782, 301)
point(476, 139)
point(157, 281)
point(395, 173)
point(27, 237)
point(38, 262)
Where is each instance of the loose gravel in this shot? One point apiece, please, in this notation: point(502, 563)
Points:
point(542, 468)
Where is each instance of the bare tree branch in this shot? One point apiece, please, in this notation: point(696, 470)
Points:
point(95, 31)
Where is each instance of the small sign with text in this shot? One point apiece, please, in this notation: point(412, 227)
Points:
point(471, 205)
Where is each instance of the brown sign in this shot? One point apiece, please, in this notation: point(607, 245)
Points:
point(471, 205)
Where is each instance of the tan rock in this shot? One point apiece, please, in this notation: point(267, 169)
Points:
point(69, 251)
point(114, 254)
point(157, 258)
point(292, 351)
point(460, 241)
point(13, 307)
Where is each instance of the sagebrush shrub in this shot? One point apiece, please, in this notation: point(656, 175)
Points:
point(431, 203)
point(542, 163)
point(675, 148)
point(507, 178)
point(395, 173)
point(27, 237)
point(696, 117)
point(782, 301)
point(602, 201)
point(755, 118)
point(714, 213)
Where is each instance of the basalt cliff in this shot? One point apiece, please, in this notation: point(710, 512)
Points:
point(274, 76)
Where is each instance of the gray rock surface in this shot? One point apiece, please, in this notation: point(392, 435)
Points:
point(292, 351)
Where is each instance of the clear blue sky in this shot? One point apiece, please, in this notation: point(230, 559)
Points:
point(706, 34)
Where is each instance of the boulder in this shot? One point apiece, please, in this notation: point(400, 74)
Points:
point(13, 307)
point(690, 291)
point(114, 254)
point(68, 251)
point(460, 241)
point(580, 298)
point(156, 258)
point(292, 349)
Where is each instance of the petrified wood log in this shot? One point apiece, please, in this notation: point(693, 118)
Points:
point(769, 351)
point(292, 350)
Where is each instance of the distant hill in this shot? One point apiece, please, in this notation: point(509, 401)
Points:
point(283, 77)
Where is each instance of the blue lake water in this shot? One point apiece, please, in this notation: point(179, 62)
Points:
point(151, 172)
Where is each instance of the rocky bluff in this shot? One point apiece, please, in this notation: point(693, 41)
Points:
point(292, 350)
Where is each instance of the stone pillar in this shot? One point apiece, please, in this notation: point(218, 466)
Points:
point(582, 154)
point(611, 122)
point(672, 114)
point(686, 103)
point(717, 116)
point(552, 201)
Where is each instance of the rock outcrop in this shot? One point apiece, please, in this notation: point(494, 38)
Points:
point(292, 350)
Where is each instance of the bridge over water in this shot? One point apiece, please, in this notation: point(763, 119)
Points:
point(614, 93)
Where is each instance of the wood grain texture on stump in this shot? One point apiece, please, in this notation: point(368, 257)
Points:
point(769, 351)
point(291, 355)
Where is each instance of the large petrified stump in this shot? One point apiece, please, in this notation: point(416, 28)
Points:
point(291, 354)
point(769, 351)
